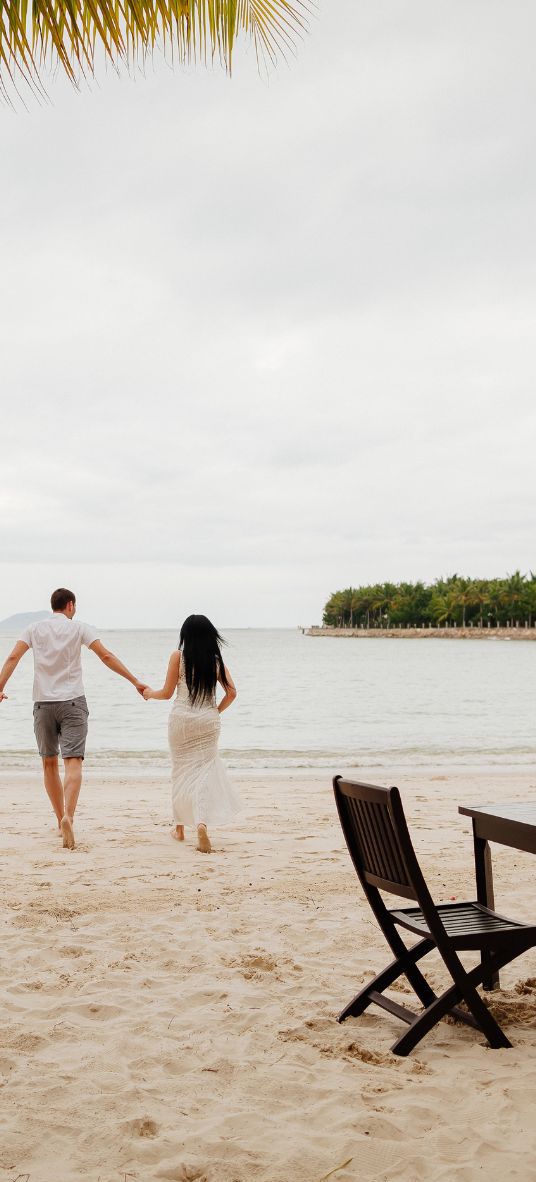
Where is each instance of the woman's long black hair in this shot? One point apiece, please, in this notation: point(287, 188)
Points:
point(199, 643)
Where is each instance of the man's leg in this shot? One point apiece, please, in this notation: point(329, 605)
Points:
point(46, 734)
point(73, 718)
point(72, 786)
point(53, 785)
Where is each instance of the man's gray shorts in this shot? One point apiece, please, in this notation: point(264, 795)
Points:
point(61, 725)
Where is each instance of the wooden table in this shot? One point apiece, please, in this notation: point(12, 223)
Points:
point(512, 824)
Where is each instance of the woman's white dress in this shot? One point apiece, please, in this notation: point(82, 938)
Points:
point(201, 790)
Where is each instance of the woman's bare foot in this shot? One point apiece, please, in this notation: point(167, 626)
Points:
point(67, 833)
point(178, 832)
point(203, 840)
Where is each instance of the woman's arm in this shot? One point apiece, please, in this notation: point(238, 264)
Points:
point(170, 684)
point(230, 691)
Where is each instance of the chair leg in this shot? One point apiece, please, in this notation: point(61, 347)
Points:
point(462, 989)
point(439, 1009)
point(488, 1025)
point(420, 985)
point(404, 964)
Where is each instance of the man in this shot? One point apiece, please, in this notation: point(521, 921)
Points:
point(60, 708)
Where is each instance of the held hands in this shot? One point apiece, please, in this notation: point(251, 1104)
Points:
point(141, 687)
point(147, 693)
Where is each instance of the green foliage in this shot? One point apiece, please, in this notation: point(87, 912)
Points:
point(454, 601)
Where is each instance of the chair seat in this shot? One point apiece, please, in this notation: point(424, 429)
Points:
point(468, 925)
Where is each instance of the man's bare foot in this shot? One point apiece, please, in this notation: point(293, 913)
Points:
point(203, 840)
point(178, 832)
point(67, 833)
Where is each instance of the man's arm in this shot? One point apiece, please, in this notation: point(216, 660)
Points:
point(10, 665)
point(112, 662)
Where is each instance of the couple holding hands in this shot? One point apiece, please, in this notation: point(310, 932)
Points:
point(201, 791)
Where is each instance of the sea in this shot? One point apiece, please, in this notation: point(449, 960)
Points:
point(311, 702)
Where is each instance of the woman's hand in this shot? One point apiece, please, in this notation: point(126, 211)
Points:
point(170, 683)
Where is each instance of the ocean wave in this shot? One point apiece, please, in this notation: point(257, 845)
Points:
point(112, 759)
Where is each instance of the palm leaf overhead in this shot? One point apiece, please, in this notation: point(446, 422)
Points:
point(72, 33)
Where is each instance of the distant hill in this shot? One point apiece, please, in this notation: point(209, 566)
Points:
point(21, 620)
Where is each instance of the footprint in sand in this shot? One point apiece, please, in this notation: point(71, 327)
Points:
point(94, 1011)
point(182, 1174)
point(144, 1126)
point(27, 1043)
point(253, 964)
point(26, 987)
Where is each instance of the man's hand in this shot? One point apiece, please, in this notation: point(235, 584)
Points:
point(140, 686)
point(3, 697)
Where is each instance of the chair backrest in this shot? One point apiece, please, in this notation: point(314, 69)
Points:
point(377, 837)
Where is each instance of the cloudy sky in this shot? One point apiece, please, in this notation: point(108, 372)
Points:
point(263, 339)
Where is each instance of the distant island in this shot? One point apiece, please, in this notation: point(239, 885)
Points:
point(448, 603)
point(21, 620)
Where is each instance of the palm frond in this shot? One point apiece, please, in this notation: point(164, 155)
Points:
point(72, 33)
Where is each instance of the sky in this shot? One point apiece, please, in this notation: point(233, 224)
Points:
point(264, 338)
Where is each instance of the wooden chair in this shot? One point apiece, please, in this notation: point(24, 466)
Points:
point(380, 847)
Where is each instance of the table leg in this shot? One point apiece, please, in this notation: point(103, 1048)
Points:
point(484, 893)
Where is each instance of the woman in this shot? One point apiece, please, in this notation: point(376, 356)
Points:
point(201, 790)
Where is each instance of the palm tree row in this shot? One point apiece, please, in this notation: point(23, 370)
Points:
point(452, 602)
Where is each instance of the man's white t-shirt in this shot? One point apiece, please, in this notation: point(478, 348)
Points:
point(57, 644)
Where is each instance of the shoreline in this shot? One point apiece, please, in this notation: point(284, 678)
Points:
point(423, 632)
point(28, 767)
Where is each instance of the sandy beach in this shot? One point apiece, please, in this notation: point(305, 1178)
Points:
point(169, 1015)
